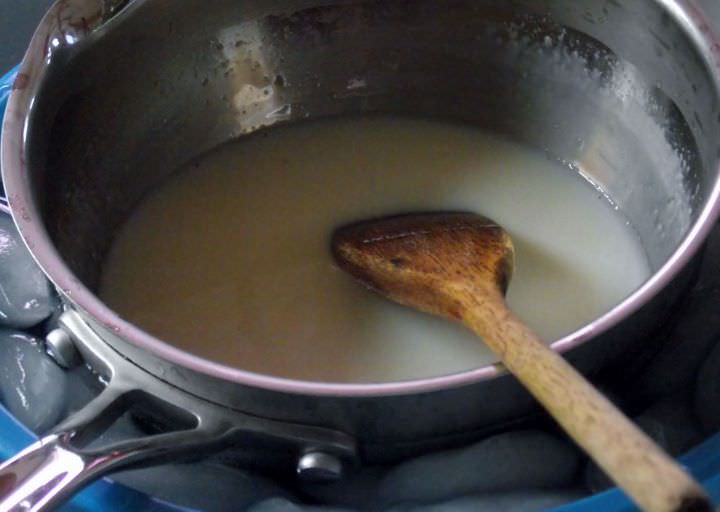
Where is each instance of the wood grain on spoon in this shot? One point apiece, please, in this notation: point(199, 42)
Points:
point(458, 266)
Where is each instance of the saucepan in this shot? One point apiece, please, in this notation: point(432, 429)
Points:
point(113, 96)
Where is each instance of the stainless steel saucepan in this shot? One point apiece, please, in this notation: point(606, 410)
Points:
point(113, 96)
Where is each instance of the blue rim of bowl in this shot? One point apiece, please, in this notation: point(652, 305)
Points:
point(703, 461)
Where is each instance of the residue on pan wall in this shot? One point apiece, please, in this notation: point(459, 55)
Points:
point(253, 87)
point(640, 149)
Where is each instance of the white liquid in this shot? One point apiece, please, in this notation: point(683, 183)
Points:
point(230, 259)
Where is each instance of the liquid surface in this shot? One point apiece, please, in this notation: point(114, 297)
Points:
point(230, 259)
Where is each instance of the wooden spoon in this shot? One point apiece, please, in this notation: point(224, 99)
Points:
point(458, 266)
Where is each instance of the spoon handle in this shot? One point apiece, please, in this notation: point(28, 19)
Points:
point(648, 475)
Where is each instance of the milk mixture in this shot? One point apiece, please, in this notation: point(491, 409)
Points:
point(230, 259)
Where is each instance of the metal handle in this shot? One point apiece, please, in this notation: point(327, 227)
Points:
point(48, 472)
point(44, 473)
point(51, 470)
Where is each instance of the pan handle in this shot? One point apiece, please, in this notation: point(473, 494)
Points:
point(43, 473)
point(188, 428)
point(51, 470)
